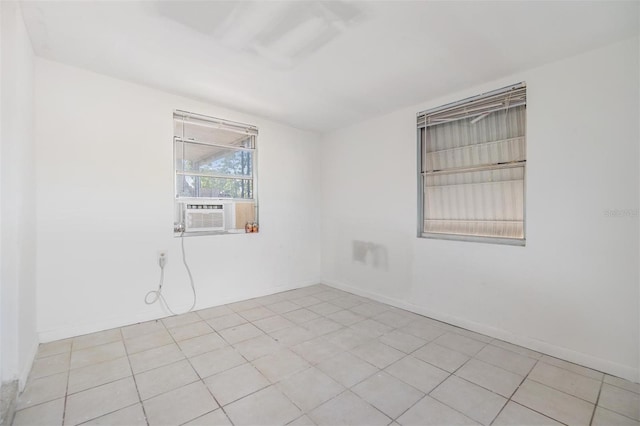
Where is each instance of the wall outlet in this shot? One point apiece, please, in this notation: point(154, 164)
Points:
point(162, 257)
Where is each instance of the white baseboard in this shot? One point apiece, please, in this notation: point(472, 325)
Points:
point(120, 321)
point(606, 366)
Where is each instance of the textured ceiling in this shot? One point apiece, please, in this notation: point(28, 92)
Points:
point(320, 65)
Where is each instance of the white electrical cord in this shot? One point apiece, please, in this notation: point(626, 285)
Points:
point(157, 294)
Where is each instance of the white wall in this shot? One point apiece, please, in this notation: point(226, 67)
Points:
point(573, 290)
point(105, 207)
point(104, 196)
point(17, 211)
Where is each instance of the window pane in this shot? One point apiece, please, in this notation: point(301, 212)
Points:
point(477, 228)
point(199, 186)
point(212, 159)
point(203, 131)
point(497, 138)
point(496, 152)
point(497, 126)
point(488, 200)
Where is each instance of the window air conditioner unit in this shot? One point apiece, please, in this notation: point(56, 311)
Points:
point(204, 217)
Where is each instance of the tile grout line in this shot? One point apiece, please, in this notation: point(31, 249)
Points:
point(486, 343)
point(572, 363)
point(472, 357)
point(426, 394)
point(509, 399)
point(69, 368)
point(502, 368)
point(595, 406)
point(133, 376)
point(200, 379)
point(274, 384)
point(538, 412)
point(407, 355)
point(265, 387)
point(447, 378)
point(102, 384)
point(247, 362)
point(363, 400)
point(158, 367)
point(343, 326)
point(561, 391)
point(66, 389)
point(376, 338)
point(305, 412)
point(524, 378)
point(106, 414)
point(620, 387)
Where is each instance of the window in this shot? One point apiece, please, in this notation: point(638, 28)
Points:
point(471, 168)
point(215, 174)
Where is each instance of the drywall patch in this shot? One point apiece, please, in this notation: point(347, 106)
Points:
point(281, 33)
point(369, 253)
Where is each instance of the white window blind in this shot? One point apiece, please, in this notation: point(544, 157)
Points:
point(472, 167)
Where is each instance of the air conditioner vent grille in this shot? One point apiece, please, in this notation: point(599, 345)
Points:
point(201, 218)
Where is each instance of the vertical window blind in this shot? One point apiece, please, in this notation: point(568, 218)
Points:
point(472, 167)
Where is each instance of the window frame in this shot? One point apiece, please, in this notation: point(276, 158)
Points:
point(226, 125)
point(421, 178)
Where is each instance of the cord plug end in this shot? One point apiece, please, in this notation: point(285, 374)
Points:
point(162, 259)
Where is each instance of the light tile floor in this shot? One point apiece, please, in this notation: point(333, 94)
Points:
point(314, 355)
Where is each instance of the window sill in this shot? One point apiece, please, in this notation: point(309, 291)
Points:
point(207, 233)
point(475, 239)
